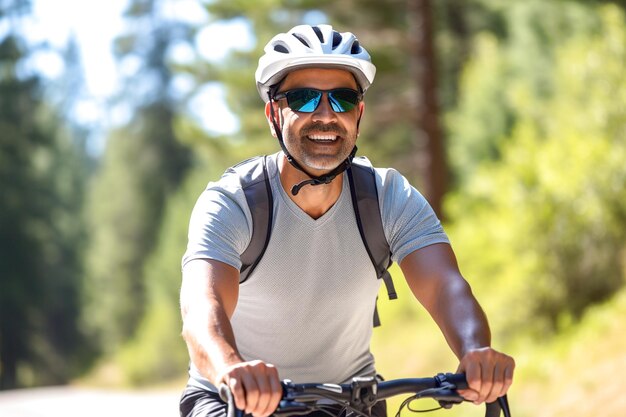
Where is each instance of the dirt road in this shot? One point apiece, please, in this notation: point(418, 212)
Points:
point(80, 402)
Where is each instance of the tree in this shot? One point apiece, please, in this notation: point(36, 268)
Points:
point(550, 207)
point(144, 163)
point(430, 154)
point(41, 183)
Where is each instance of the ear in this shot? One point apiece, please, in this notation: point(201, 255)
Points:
point(269, 107)
point(358, 122)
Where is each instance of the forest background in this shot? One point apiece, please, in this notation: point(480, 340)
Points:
point(510, 116)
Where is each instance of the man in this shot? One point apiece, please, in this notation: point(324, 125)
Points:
point(305, 312)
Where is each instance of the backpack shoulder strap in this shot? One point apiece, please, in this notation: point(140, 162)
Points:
point(364, 194)
point(256, 187)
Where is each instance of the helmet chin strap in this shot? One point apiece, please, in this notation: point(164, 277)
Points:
point(326, 178)
point(314, 180)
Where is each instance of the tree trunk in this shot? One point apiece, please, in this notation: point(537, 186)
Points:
point(429, 151)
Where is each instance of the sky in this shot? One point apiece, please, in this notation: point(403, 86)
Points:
point(95, 24)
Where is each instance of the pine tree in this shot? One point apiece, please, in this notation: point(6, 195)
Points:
point(41, 185)
point(143, 164)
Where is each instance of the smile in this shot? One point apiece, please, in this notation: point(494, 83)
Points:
point(323, 138)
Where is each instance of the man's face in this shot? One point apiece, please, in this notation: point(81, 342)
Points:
point(322, 139)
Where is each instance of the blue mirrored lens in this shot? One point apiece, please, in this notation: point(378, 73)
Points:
point(306, 100)
point(343, 100)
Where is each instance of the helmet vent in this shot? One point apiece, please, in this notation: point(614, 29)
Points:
point(356, 48)
point(318, 32)
point(302, 40)
point(336, 39)
point(281, 48)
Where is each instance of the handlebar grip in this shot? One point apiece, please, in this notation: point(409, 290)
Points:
point(501, 405)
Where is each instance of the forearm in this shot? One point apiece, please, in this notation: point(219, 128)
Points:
point(208, 298)
point(210, 341)
point(460, 317)
point(434, 278)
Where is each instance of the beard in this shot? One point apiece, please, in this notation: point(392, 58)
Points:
point(321, 155)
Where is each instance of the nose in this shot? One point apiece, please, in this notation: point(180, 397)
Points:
point(324, 111)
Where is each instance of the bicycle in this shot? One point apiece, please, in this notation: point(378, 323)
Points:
point(361, 394)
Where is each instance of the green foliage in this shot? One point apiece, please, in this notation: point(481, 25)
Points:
point(157, 352)
point(143, 359)
point(408, 342)
point(41, 191)
point(544, 227)
point(119, 239)
point(554, 377)
point(504, 67)
point(143, 164)
point(561, 376)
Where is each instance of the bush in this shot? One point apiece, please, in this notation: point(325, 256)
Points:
point(545, 226)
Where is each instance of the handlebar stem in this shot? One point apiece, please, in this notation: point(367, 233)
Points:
point(364, 393)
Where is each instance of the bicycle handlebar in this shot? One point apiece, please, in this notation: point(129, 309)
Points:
point(362, 393)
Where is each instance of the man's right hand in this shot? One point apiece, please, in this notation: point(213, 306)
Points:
point(255, 387)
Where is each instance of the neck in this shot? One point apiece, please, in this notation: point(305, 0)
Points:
point(314, 200)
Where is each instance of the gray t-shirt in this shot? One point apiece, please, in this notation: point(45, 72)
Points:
point(307, 308)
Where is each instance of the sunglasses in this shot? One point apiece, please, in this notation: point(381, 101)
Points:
point(306, 100)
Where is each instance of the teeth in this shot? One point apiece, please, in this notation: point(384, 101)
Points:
point(323, 137)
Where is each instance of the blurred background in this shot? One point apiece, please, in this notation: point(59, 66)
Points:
point(509, 115)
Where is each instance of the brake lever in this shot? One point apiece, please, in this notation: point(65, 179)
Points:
point(227, 396)
point(290, 407)
point(448, 397)
point(494, 408)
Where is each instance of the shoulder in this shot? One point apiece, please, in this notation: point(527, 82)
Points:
point(408, 219)
point(245, 172)
point(221, 221)
point(240, 186)
point(235, 179)
point(227, 196)
point(249, 172)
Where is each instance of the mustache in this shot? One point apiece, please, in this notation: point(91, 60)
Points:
point(323, 128)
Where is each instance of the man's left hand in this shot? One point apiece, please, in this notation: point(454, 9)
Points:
point(489, 374)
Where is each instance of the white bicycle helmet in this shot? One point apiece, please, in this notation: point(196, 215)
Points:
point(307, 46)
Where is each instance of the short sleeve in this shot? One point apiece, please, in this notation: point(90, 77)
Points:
point(219, 227)
point(409, 221)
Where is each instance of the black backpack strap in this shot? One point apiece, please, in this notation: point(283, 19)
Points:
point(369, 221)
point(256, 187)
